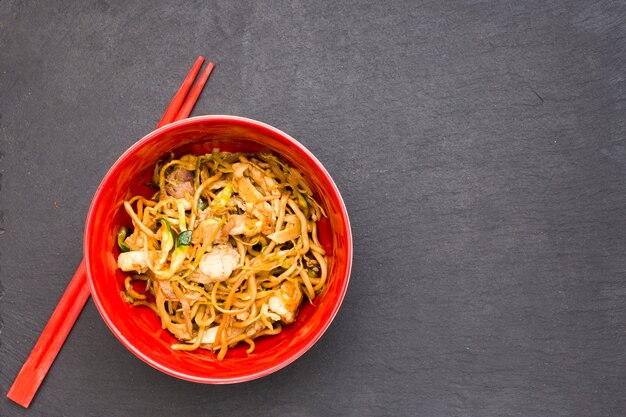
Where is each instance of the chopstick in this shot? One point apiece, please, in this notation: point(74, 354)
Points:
point(54, 334)
point(172, 110)
point(185, 110)
point(75, 296)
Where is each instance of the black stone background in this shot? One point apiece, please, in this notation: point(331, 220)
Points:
point(480, 149)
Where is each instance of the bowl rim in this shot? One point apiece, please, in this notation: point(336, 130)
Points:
point(163, 367)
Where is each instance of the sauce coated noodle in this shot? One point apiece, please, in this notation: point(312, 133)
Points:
point(227, 248)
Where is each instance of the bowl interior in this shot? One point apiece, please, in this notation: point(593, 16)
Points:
point(138, 328)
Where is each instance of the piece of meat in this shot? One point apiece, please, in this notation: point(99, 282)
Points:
point(264, 212)
point(216, 265)
point(240, 224)
point(205, 230)
point(179, 182)
point(133, 261)
point(243, 185)
point(286, 301)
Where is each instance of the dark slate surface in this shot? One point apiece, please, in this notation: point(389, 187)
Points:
point(480, 150)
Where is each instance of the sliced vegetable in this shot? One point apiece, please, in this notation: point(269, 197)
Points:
point(121, 237)
point(167, 239)
point(302, 202)
point(180, 204)
point(183, 242)
point(223, 197)
point(190, 160)
point(202, 204)
point(156, 173)
point(184, 239)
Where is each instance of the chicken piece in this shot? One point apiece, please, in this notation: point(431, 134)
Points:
point(264, 212)
point(179, 182)
point(133, 261)
point(205, 230)
point(216, 265)
point(240, 224)
point(243, 185)
point(270, 316)
point(259, 177)
point(286, 301)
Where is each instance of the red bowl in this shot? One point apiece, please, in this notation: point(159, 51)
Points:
point(138, 328)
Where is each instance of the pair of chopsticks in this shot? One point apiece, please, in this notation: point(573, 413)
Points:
point(178, 110)
point(75, 296)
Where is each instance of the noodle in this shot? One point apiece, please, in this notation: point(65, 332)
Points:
point(227, 248)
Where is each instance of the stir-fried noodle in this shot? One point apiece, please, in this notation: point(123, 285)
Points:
point(227, 248)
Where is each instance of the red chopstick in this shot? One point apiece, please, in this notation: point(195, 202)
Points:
point(75, 296)
point(172, 110)
point(65, 314)
point(185, 110)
